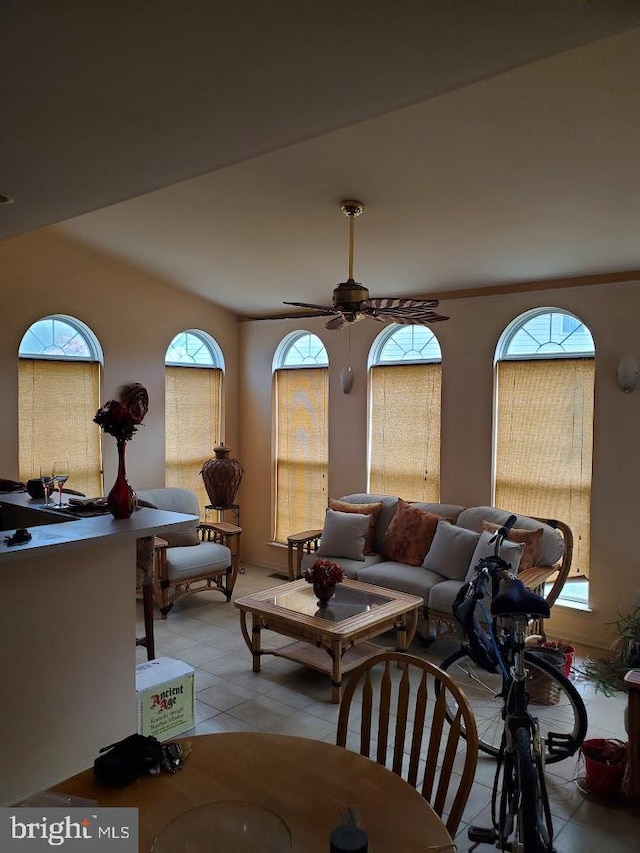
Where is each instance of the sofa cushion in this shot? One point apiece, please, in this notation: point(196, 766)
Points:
point(370, 509)
point(351, 567)
point(442, 595)
point(400, 576)
point(511, 552)
point(529, 538)
point(451, 550)
point(208, 559)
point(551, 545)
point(409, 535)
point(450, 512)
point(385, 515)
point(343, 535)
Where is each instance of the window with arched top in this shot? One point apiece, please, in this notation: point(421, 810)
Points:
point(59, 363)
point(405, 379)
point(544, 392)
point(301, 402)
point(194, 370)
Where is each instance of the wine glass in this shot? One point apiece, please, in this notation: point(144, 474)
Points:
point(45, 479)
point(60, 475)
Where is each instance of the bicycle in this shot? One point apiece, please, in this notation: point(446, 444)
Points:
point(527, 712)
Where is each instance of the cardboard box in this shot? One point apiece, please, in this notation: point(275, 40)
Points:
point(166, 697)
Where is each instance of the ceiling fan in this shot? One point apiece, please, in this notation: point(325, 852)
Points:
point(351, 301)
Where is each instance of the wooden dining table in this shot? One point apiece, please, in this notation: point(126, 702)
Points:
point(308, 783)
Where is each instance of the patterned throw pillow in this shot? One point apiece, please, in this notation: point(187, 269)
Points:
point(372, 510)
point(409, 534)
point(529, 538)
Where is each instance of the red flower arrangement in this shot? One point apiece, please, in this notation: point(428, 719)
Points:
point(121, 418)
point(324, 573)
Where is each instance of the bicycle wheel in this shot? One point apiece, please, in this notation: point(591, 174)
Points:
point(532, 822)
point(553, 700)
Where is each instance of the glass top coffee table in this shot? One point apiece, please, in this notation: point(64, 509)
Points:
point(330, 639)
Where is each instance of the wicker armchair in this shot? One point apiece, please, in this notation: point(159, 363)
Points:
point(204, 556)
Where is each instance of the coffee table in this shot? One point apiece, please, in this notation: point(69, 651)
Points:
point(329, 639)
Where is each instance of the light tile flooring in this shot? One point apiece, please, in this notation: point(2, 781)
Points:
point(204, 631)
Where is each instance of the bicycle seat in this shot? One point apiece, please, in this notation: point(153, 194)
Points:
point(518, 599)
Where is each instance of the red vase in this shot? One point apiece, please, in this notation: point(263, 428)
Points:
point(324, 592)
point(121, 500)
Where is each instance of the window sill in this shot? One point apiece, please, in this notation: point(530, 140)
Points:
point(570, 604)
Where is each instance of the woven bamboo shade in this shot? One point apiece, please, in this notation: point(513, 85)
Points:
point(405, 431)
point(302, 449)
point(57, 401)
point(544, 443)
point(192, 425)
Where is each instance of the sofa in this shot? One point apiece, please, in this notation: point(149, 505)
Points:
point(430, 549)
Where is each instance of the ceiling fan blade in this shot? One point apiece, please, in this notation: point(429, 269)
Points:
point(398, 302)
point(337, 323)
point(408, 312)
point(325, 309)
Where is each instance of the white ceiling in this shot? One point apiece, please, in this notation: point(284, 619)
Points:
point(491, 141)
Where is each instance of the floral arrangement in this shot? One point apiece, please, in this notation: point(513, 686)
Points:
point(121, 418)
point(324, 573)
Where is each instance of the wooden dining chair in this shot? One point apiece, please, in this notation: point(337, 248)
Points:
point(407, 698)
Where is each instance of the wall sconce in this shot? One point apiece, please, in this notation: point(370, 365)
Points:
point(628, 373)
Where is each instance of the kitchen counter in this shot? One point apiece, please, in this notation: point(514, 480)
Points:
point(67, 639)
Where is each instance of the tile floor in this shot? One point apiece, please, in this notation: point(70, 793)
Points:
point(203, 630)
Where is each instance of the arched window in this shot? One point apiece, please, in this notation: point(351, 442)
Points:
point(301, 389)
point(58, 396)
point(194, 368)
point(545, 368)
point(404, 413)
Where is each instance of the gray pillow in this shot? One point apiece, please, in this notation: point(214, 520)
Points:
point(343, 535)
point(511, 552)
point(451, 550)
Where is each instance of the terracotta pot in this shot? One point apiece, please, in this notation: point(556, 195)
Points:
point(222, 477)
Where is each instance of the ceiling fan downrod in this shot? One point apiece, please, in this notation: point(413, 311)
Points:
point(351, 209)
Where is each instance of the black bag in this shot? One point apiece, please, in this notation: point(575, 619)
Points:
point(123, 762)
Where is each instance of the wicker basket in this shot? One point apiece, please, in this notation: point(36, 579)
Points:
point(542, 689)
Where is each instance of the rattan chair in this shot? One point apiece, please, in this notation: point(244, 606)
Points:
point(413, 692)
point(202, 556)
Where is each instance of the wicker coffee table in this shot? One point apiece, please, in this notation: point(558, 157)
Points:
point(330, 639)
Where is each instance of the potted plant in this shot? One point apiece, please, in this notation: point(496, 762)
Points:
point(324, 575)
point(608, 672)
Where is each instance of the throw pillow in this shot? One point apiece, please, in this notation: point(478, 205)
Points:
point(372, 510)
point(343, 535)
point(511, 552)
point(409, 534)
point(529, 538)
point(451, 550)
point(181, 538)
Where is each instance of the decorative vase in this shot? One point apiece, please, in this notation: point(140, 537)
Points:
point(324, 592)
point(222, 477)
point(121, 500)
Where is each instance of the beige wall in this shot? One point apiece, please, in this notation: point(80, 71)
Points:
point(134, 315)
point(468, 343)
